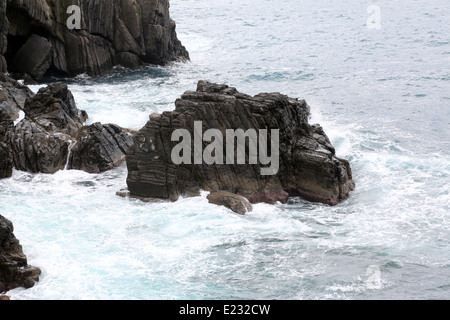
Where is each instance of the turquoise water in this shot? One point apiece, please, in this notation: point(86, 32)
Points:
point(383, 97)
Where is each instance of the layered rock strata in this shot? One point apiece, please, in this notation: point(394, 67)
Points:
point(307, 163)
point(51, 134)
point(51, 37)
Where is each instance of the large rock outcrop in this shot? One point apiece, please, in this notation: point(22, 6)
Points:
point(41, 37)
point(12, 101)
point(307, 163)
point(14, 269)
point(52, 134)
point(235, 202)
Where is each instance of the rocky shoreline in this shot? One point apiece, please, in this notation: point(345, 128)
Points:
point(45, 132)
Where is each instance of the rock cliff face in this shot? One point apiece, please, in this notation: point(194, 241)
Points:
point(307, 164)
point(14, 269)
point(41, 37)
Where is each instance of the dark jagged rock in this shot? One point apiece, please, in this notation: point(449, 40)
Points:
point(4, 26)
point(308, 166)
point(6, 163)
point(12, 96)
point(40, 142)
point(54, 109)
point(14, 269)
point(36, 150)
point(33, 58)
point(99, 148)
point(35, 38)
point(235, 202)
point(6, 125)
point(52, 124)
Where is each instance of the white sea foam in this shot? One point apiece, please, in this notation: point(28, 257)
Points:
point(20, 118)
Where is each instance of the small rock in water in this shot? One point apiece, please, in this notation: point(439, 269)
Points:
point(237, 203)
point(124, 193)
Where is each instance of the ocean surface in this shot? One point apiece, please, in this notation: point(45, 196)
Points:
point(382, 95)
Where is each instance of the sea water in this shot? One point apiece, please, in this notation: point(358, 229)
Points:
point(382, 95)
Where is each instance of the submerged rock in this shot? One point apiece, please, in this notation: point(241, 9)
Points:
point(235, 202)
point(39, 38)
point(14, 269)
point(307, 164)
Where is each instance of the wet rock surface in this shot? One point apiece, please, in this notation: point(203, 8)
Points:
point(6, 125)
point(235, 202)
point(39, 38)
point(308, 166)
point(12, 96)
point(99, 148)
point(52, 135)
point(14, 269)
